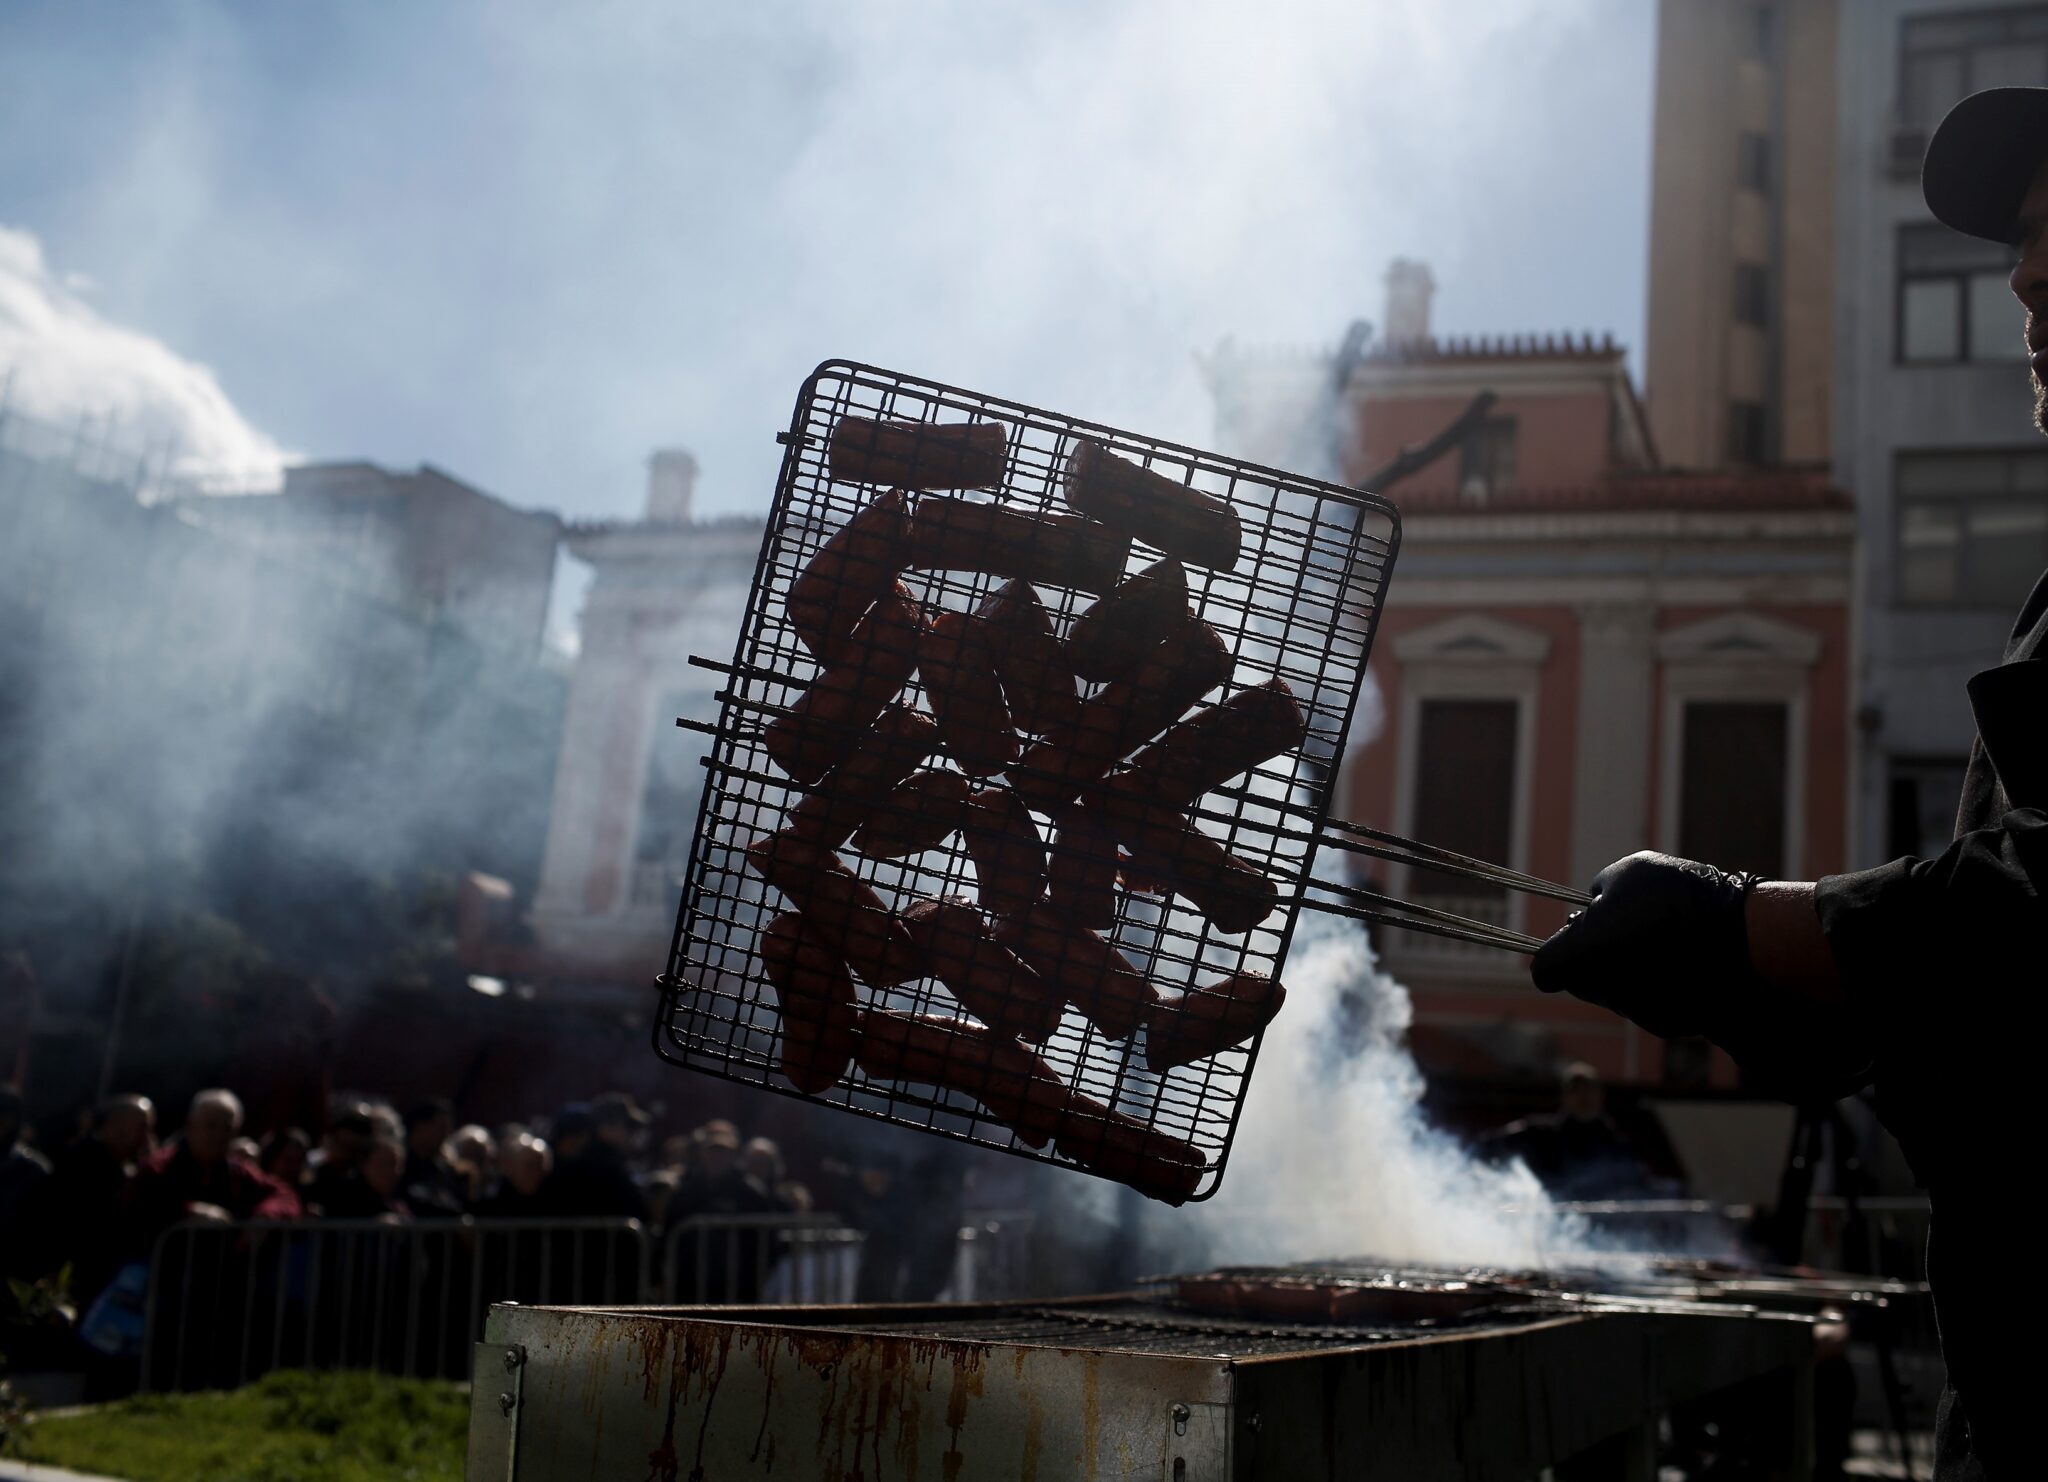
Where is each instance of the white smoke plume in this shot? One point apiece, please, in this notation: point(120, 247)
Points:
point(1334, 1155)
point(62, 361)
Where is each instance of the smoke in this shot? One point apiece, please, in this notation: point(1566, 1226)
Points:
point(641, 223)
point(61, 361)
point(1334, 1154)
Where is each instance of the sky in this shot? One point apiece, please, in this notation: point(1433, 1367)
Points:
point(528, 243)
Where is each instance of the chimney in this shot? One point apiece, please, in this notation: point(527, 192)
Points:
point(671, 481)
point(1409, 287)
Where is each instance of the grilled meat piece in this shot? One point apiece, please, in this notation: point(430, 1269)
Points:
point(1182, 521)
point(826, 723)
point(1036, 680)
point(820, 1015)
point(918, 455)
point(972, 535)
point(1113, 635)
point(838, 908)
point(1204, 1020)
point(917, 816)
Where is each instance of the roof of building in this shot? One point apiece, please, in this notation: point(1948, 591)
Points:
point(1772, 490)
point(1432, 348)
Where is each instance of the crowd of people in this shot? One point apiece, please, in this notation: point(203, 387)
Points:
point(83, 1210)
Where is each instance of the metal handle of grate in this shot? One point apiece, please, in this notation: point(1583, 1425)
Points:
point(1301, 605)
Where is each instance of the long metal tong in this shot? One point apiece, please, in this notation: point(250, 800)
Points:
point(1384, 910)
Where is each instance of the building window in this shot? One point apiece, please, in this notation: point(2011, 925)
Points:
point(1753, 162)
point(1732, 784)
point(1464, 787)
point(1955, 301)
point(1747, 434)
point(1752, 294)
point(1487, 460)
point(1972, 527)
point(1944, 58)
point(1924, 796)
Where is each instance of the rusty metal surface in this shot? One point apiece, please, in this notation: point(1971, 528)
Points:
point(637, 1394)
point(882, 1393)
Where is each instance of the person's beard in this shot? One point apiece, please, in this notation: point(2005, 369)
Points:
point(2040, 387)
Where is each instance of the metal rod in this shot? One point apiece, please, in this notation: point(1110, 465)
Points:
point(1384, 918)
point(1452, 863)
point(1358, 895)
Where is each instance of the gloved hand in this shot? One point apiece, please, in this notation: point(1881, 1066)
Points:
point(1663, 944)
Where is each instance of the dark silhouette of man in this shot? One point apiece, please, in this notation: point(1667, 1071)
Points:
point(1922, 978)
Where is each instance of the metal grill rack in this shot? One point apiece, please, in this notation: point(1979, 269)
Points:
point(1300, 605)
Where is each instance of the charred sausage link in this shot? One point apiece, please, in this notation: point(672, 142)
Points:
point(820, 1016)
point(1163, 512)
point(1116, 1145)
point(1207, 750)
point(1036, 680)
point(1081, 876)
point(1019, 1089)
point(1181, 668)
point(917, 816)
point(971, 535)
point(1204, 1020)
point(826, 722)
point(856, 566)
point(1009, 856)
point(990, 980)
point(959, 676)
point(838, 908)
point(1115, 632)
point(1085, 970)
point(1233, 893)
point(918, 455)
point(855, 789)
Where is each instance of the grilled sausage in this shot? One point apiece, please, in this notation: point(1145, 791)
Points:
point(855, 789)
point(1204, 1020)
point(1081, 876)
point(1086, 971)
point(839, 909)
point(1009, 856)
point(1182, 668)
point(959, 674)
point(918, 455)
point(990, 980)
point(1036, 680)
point(1231, 892)
point(1019, 1089)
point(856, 566)
point(1118, 1146)
point(916, 816)
point(1113, 635)
point(1163, 512)
point(825, 724)
point(972, 535)
point(1207, 750)
point(820, 1016)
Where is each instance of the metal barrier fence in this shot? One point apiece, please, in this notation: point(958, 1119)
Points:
point(227, 1303)
point(761, 1258)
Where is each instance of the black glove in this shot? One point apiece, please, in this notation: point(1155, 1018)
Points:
point(1663, 944)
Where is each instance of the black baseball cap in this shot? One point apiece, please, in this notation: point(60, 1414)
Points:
point(1983, 157)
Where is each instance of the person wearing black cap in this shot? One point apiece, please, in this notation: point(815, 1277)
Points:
point(1922, 978)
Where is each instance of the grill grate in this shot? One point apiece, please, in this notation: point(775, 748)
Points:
point(1152, 1327)
point(1299, 605)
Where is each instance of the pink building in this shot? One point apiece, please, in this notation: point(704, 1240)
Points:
point(1579, 656)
